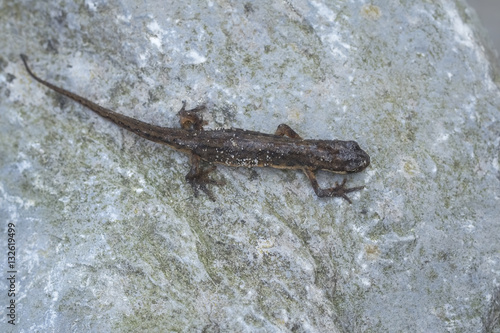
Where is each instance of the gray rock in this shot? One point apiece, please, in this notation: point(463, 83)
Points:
point(109, 237)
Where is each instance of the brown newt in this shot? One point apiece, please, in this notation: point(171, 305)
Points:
point(239, 148)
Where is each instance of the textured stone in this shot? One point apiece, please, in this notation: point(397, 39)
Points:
point(109, 236)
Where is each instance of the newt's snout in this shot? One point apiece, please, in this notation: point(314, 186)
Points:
point(361, 162)
point(356, 158)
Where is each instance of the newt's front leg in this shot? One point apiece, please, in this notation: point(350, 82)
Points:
point(338, 191)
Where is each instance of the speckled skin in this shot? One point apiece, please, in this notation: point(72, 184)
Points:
point(240, 148)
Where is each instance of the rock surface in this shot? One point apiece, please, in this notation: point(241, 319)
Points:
point(109, 237)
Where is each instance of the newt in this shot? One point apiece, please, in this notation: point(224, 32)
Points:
point(284, 149)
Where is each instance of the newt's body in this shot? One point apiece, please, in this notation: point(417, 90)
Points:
point(236, 147)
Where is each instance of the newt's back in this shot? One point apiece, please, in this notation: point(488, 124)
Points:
point(236, 147)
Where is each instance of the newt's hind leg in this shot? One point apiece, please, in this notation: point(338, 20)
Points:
point(190, 119)
point(198, 178)
point(285, 130)
point(338, 191)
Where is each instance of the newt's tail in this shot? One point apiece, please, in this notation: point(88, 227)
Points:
point(139, 127)
point(106, 113)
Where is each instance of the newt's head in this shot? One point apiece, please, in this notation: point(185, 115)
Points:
point(342, 156)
